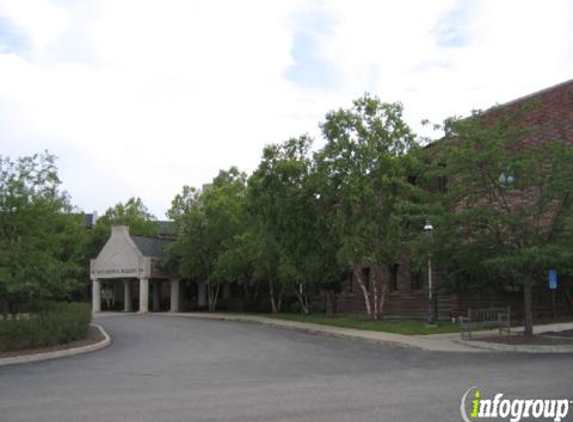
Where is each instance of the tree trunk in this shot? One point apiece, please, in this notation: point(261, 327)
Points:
point(256, 289)
point(13, 307)
point(380, 299)
point(302, 298)
point(274, 309)
point(213, 296)
point(331, 305)
point(246, 300)
point(357, 275)
point(280, 300)
point(528, 307)
point(375, 299)
point(569, 299)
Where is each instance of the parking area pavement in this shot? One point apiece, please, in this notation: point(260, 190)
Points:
point(161, 368)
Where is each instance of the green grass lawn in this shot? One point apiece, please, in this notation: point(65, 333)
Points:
point(409, 327)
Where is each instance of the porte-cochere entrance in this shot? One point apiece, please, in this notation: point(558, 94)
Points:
point(128, 265)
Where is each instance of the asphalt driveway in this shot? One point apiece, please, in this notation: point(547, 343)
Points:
point(163, 368)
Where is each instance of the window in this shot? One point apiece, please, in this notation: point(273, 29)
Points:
point(366, 278)
point(416, 278)
point(393, 282)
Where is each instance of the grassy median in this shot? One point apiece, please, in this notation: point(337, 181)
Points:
point(408, 327)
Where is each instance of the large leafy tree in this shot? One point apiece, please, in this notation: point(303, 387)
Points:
point(364, 182)
point(133, 213)
point(40, 238)
point(210, 224)
point(280, 205)
point(322, 263)
point(509, 202)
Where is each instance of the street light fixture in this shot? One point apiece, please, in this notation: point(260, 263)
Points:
point(428, 228)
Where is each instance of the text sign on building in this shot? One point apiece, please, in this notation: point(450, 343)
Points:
point(552, 279)
point(116, 271)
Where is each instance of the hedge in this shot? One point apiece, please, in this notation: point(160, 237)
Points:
point(55, 324)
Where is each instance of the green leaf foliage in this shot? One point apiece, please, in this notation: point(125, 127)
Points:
point(41, 239)
point(508, 209)
point(363, 172)
point(509, 201)
point(210, 224)
point(133, 213)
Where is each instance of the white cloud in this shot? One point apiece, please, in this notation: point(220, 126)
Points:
point(141, 97)
point(502, 50)
point(42, 20)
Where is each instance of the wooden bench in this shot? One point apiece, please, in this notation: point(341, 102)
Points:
point(493, 318)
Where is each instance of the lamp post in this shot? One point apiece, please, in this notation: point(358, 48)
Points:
point(428, 228)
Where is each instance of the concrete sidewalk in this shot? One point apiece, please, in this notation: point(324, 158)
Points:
point(537, 329)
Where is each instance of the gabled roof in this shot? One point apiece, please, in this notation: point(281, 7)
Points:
point(152, 247)
point(563, 87)
point(551, 116)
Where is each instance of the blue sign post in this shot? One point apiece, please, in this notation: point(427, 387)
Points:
point(553, 287)
point(553, 279)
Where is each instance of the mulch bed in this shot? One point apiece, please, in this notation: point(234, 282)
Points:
point(536, 340)
point(94, 336)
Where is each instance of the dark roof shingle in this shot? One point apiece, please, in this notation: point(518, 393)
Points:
point(151, 246)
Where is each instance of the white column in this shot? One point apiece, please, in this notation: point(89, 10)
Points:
point(174, 296)
point(127, 295)
point(156, 295)
point(96, 295)
point(201, 294)
point(143, 295)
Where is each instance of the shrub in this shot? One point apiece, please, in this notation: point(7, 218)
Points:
point(56, 324)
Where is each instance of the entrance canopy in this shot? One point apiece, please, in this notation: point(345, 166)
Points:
point(126, 256)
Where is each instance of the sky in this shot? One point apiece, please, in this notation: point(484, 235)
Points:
point(141, 97)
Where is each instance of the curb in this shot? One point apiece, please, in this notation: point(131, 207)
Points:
point(447, 345)
point(286, 325)
point(342, 333)
point(324, 332)
point(517, 348)
point(36, 357)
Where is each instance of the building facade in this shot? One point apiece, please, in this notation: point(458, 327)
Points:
point(549, 115)
point(129, 267)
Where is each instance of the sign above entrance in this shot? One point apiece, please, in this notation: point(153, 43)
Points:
point(117, 271)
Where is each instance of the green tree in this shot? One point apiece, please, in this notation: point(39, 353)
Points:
point(363, 173)
point(280, 204)
point(509, 203)
point(237, 264)
point(40, 237)
point(133, 214)
point(210, 224)
point(322, 263)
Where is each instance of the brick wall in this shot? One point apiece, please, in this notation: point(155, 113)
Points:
point(550, 117)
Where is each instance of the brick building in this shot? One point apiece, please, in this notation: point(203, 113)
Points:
point(550, 115)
